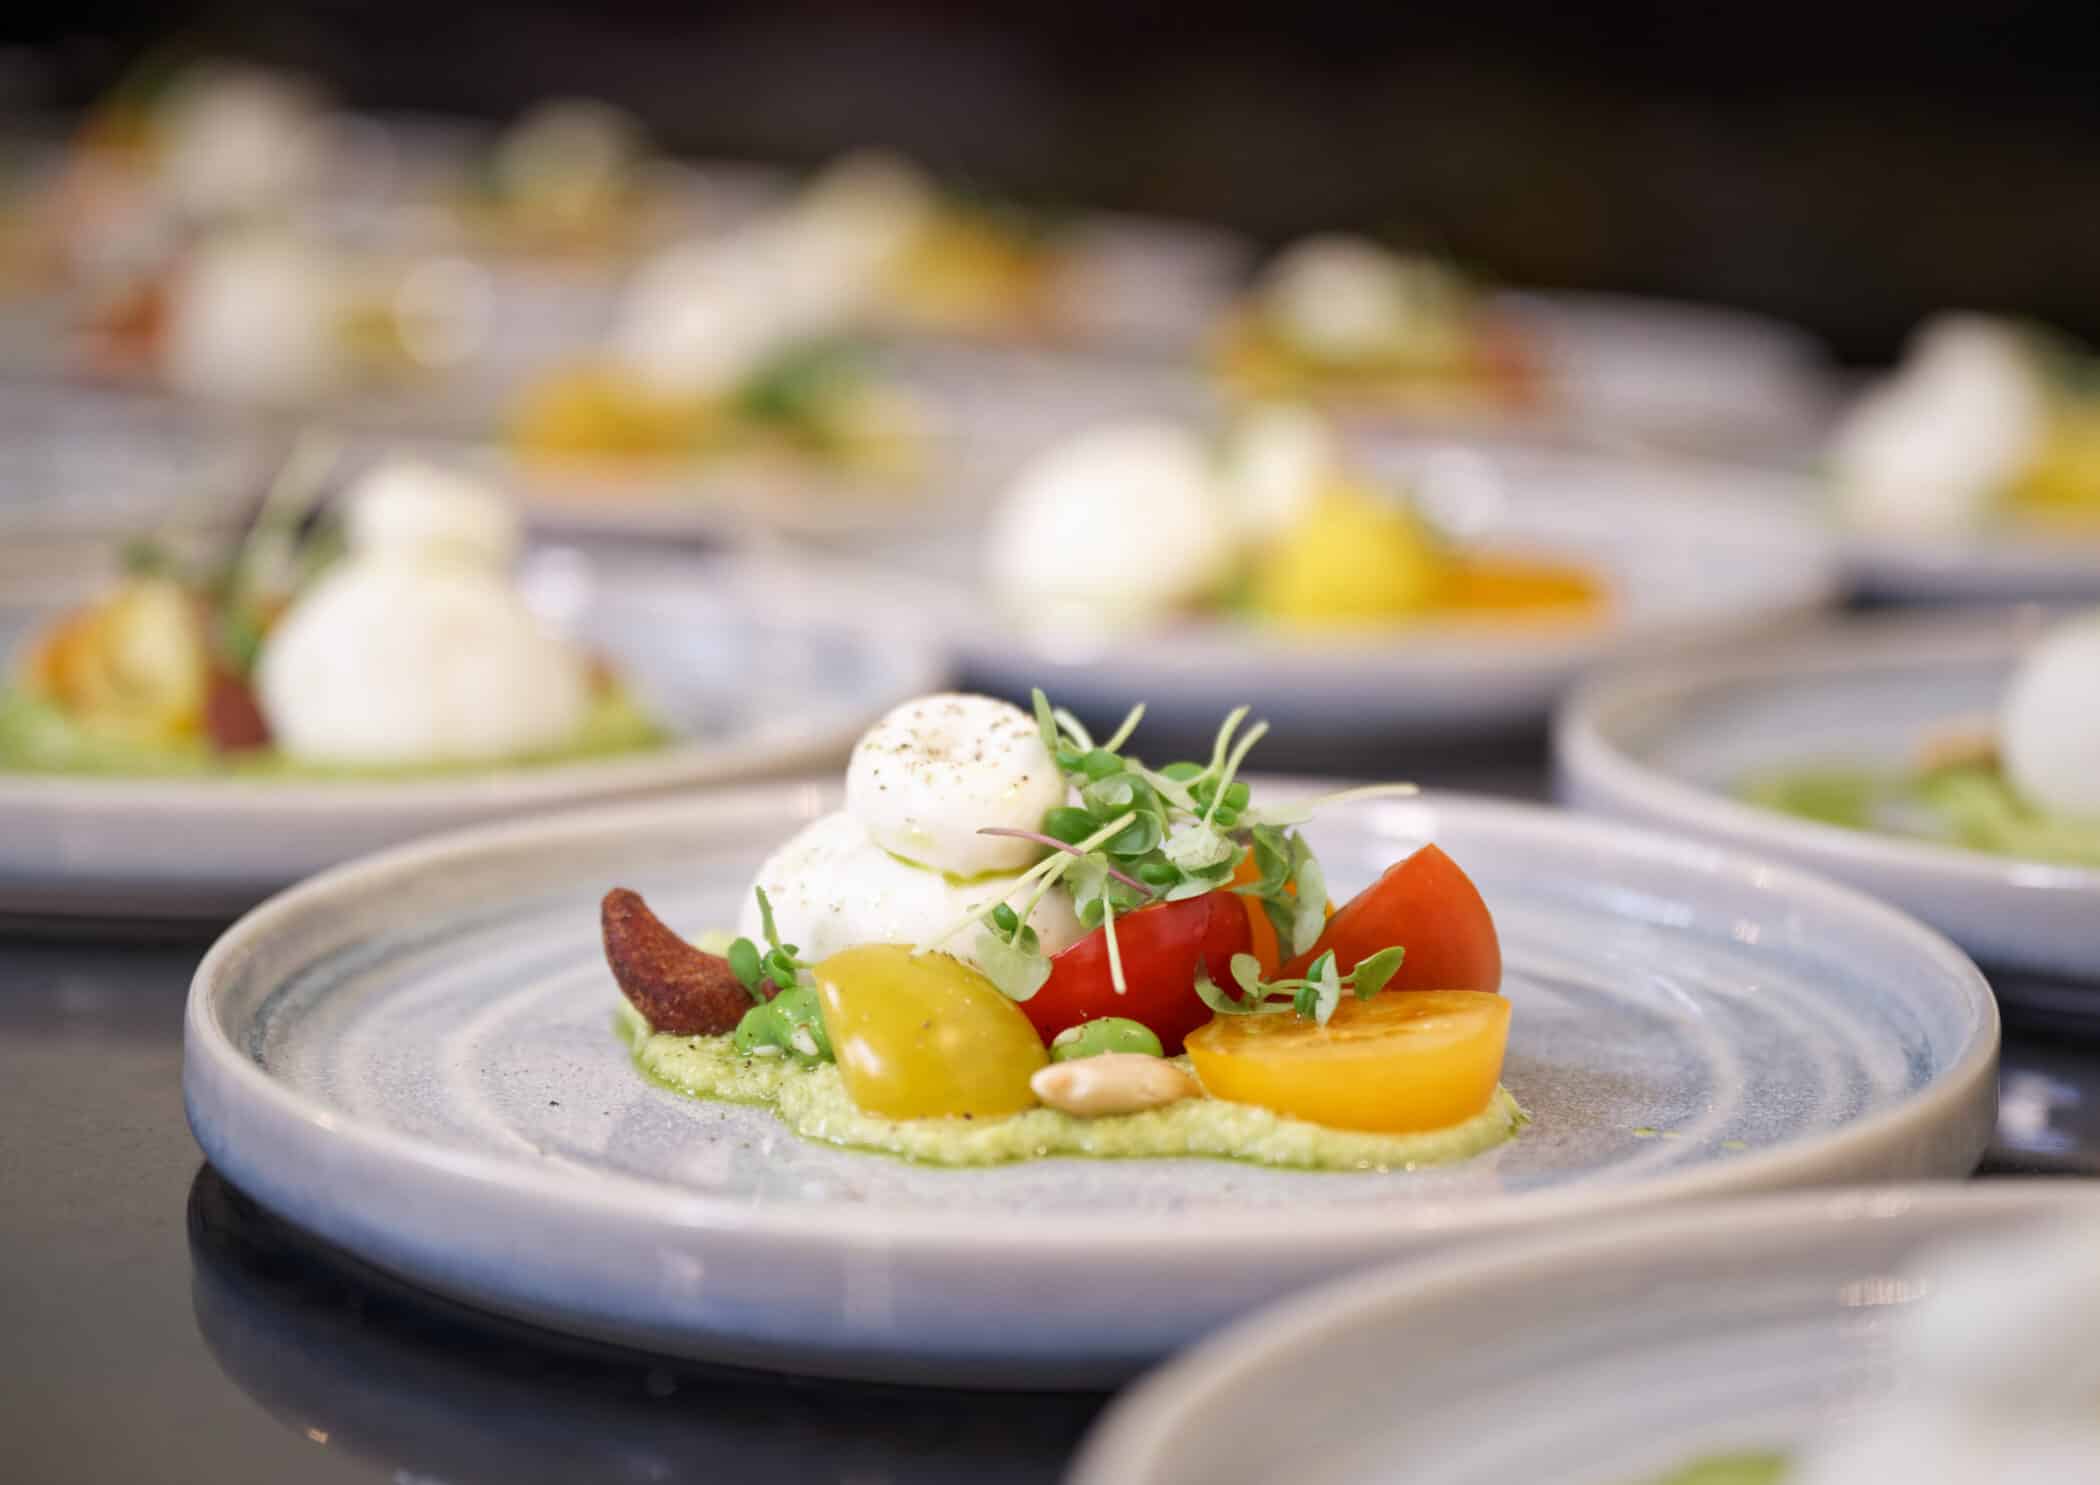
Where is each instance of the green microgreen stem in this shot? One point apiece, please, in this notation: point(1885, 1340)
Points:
point(1058, 845)
point(1115, 951)
point(1122, 734)
point(1042, 876)
point(1232, 766)
point(1075, 729)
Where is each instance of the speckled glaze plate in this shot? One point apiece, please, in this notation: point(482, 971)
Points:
point(746, 687)
point(414, 1057)
point(1439, 676)
point(1671, 745)
point(1610, 1356)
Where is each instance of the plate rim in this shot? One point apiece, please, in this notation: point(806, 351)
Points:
point(260, 1101)
point(1139, 1427)
point(1586, 758)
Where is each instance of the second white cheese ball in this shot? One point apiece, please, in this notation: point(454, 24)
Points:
point(417, 649)
point(1346, 298)
point(1115, 526)
point(2049, 726)
point(1928, 452)
point(833, 888)
point(929, 776)
point(256, 319)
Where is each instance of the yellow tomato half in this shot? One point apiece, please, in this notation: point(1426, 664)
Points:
point(1399, 1062)
point(924, 1036)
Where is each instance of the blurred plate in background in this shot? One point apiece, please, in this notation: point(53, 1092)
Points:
point(1614, 1355)
point(2006, 566)
point(1687, 552)
point(748, 686)
point(1676, 744)
point(83, 472)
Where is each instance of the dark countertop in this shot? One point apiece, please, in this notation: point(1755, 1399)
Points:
point(161, 1327)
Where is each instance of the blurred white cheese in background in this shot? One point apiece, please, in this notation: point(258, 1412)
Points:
point(256, 317)
point(569, 159)
point(1345, 298)
point(1114, 526)
point(237, 141)
point(2049, 724)
point(1929, 451)
point(859, 217)
point(1277, 460)
point(417, 648)
point(1998, 1376)
point(936, 770)
point(701, 317)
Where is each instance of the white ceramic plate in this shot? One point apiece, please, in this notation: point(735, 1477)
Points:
point(750, 686)
point(1670, 745)
point(414, 1057)
point(80, 470)
point(1689, 551)
point(1608, 1356)
point(1995, 567)
point(1687, 376)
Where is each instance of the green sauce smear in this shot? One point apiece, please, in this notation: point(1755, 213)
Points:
point(36, 737)
point(1756, 1467)
point(813, 1102)
point(1969, 806)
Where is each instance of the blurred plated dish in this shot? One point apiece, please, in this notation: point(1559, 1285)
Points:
point(306, 699)
point(1973, 470)
point(1381, 337)
point(1921, 1334)
point(436, 1020)
point(1946, 765)
point(1409, 587)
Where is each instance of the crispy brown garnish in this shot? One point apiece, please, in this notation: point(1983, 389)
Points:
point(233, 720)
point(1964, 742)
point(677, 988)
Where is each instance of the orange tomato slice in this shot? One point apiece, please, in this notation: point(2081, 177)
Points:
point(1397, 1063)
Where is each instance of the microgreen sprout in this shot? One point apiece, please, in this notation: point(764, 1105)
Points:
point(1314, 995)
point(1130, 836)
point(777, 964)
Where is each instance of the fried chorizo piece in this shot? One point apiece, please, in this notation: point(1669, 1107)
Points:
point(677, 988)
point(233, 719)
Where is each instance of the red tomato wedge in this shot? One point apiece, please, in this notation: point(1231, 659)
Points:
point(1160, 947)
point(1429, 907)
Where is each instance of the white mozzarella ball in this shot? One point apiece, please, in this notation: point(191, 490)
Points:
point(576, 150)
point(699, 318)
point(1929, 452)
point(384, 662)
point(1277, 462)
point(257, 319)
point(929, 776)
point(1115, 526)
point(408, 508)
point(1346, 298)
point(235, 141)
point(832, 887)
point(2049, 725)
point(864, 212)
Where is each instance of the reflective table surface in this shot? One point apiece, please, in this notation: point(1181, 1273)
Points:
point(156, 1325)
